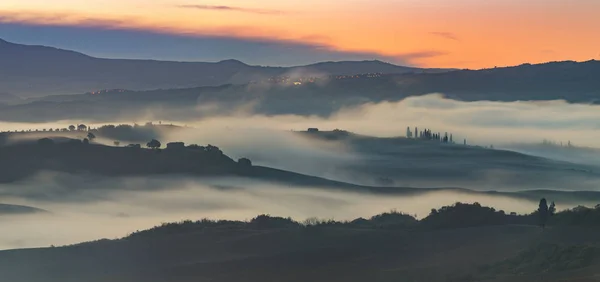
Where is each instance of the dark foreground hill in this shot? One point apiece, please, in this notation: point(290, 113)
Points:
point(279, 249)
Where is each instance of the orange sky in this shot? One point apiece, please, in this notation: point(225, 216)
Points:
point(431, 33)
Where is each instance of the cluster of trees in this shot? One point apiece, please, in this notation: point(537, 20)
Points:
point(427, 134)
point(70, 128)
point(546, 142)
point(459, 215)
point(154, 144)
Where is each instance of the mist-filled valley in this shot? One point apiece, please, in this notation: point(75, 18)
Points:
point(358, 164)
point(149, 170)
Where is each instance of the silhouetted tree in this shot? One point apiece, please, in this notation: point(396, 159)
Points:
point(543, 212)
point(117, 143)
point(71, 127)
point(245, 162)
point(154, 144)
point(213, 149)
point(552, 209)
point(91, 136)
point(82, 127)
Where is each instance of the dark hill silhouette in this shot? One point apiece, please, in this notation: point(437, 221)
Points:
point(361, 67)
point(385, 247)
point(74, 156)
point(28, 71)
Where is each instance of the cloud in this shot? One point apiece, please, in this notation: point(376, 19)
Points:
point(415, 56)
point(316, 47)
point(446, 35)
point(232, 8)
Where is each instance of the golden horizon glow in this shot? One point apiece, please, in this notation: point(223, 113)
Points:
point(434, 33)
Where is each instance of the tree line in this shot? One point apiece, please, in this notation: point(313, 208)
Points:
point(458, 215)
point(427, 134)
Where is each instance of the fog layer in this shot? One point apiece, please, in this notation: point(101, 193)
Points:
point(87, 208)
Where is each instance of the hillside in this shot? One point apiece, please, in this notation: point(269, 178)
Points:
point(30, 71)
point(72, 156)
point(395, 166)
point(386, 247)
point(422, 163)
point(371, 161)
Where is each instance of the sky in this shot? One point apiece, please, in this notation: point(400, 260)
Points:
point(427, 33)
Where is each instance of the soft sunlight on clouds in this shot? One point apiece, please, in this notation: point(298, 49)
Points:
point(490, 32)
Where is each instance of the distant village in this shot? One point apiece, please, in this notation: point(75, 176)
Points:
point(289, 80)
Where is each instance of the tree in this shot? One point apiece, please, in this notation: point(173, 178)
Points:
point(213, 149)
point(71, 127)
point(117, 143)
point(154, 144)
point(245, 162)
point(543, 212)
point(82, 127)
point(552, 209)
point(91, 136)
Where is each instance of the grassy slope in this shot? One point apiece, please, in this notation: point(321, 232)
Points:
point(317, 254)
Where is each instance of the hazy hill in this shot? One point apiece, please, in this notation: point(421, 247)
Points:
point(422, 163)
point(28, 71)
point(571, 81)
point(6, 209)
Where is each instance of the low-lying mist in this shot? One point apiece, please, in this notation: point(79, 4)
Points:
point(271, 140)
point(87, 208)
point(480, 122)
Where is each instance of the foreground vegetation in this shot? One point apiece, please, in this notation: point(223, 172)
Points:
point(459, 215)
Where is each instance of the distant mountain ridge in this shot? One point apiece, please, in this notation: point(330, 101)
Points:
point(29, 70)
point(574, 82)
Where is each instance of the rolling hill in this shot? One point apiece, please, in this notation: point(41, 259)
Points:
point(232, 252)
point(570, 81)
point(29, 71)
point(397, 166)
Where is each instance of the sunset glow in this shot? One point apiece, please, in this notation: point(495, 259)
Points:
point(432, 33)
